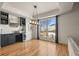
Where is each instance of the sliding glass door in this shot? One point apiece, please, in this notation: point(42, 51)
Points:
point(43, 30)
point(48, 29)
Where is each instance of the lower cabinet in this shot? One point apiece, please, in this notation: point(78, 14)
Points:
point(19, 37)
point(11, 39)
point(4, 40)
point(7, 39)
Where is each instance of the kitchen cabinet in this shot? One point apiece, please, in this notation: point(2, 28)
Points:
point(11, 38)
point(7, 39)
point(4, 40)
point(3, 17)
point(13, 19)
point(19, 37)
point(22, 21)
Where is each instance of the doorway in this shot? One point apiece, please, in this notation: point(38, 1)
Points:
point(48, 29)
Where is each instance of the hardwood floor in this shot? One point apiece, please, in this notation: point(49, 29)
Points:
point(34, 48)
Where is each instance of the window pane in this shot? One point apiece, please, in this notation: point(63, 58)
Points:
point(51, 28)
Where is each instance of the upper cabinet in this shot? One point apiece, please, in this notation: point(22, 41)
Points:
point(4, 17)
point(22, 21)
point(14, 19)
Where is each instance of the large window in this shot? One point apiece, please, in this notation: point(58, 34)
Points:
point(48, 29)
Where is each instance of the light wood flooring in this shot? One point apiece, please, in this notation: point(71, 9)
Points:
point(34, 48)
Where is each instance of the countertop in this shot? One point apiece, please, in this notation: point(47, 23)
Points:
point(11, 32)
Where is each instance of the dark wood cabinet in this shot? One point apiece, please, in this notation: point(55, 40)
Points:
point(3, 17)
point(22, 21)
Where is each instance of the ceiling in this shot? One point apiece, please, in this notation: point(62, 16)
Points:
point(26, 8)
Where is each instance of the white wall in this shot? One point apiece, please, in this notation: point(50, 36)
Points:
point(69, 25)
point(1, 3)
point(28, 29)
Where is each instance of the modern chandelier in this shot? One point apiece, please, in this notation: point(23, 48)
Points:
point(34, 20)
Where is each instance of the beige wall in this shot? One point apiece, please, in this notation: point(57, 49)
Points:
point(69, 25)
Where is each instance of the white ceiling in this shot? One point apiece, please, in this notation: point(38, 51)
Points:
point(27, 7)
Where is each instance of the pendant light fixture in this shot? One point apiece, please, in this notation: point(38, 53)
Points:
point(34, 20)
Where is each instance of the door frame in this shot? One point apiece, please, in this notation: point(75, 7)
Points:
point(56, 38)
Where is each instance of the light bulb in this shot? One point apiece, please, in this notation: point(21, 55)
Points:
point(30, 21)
